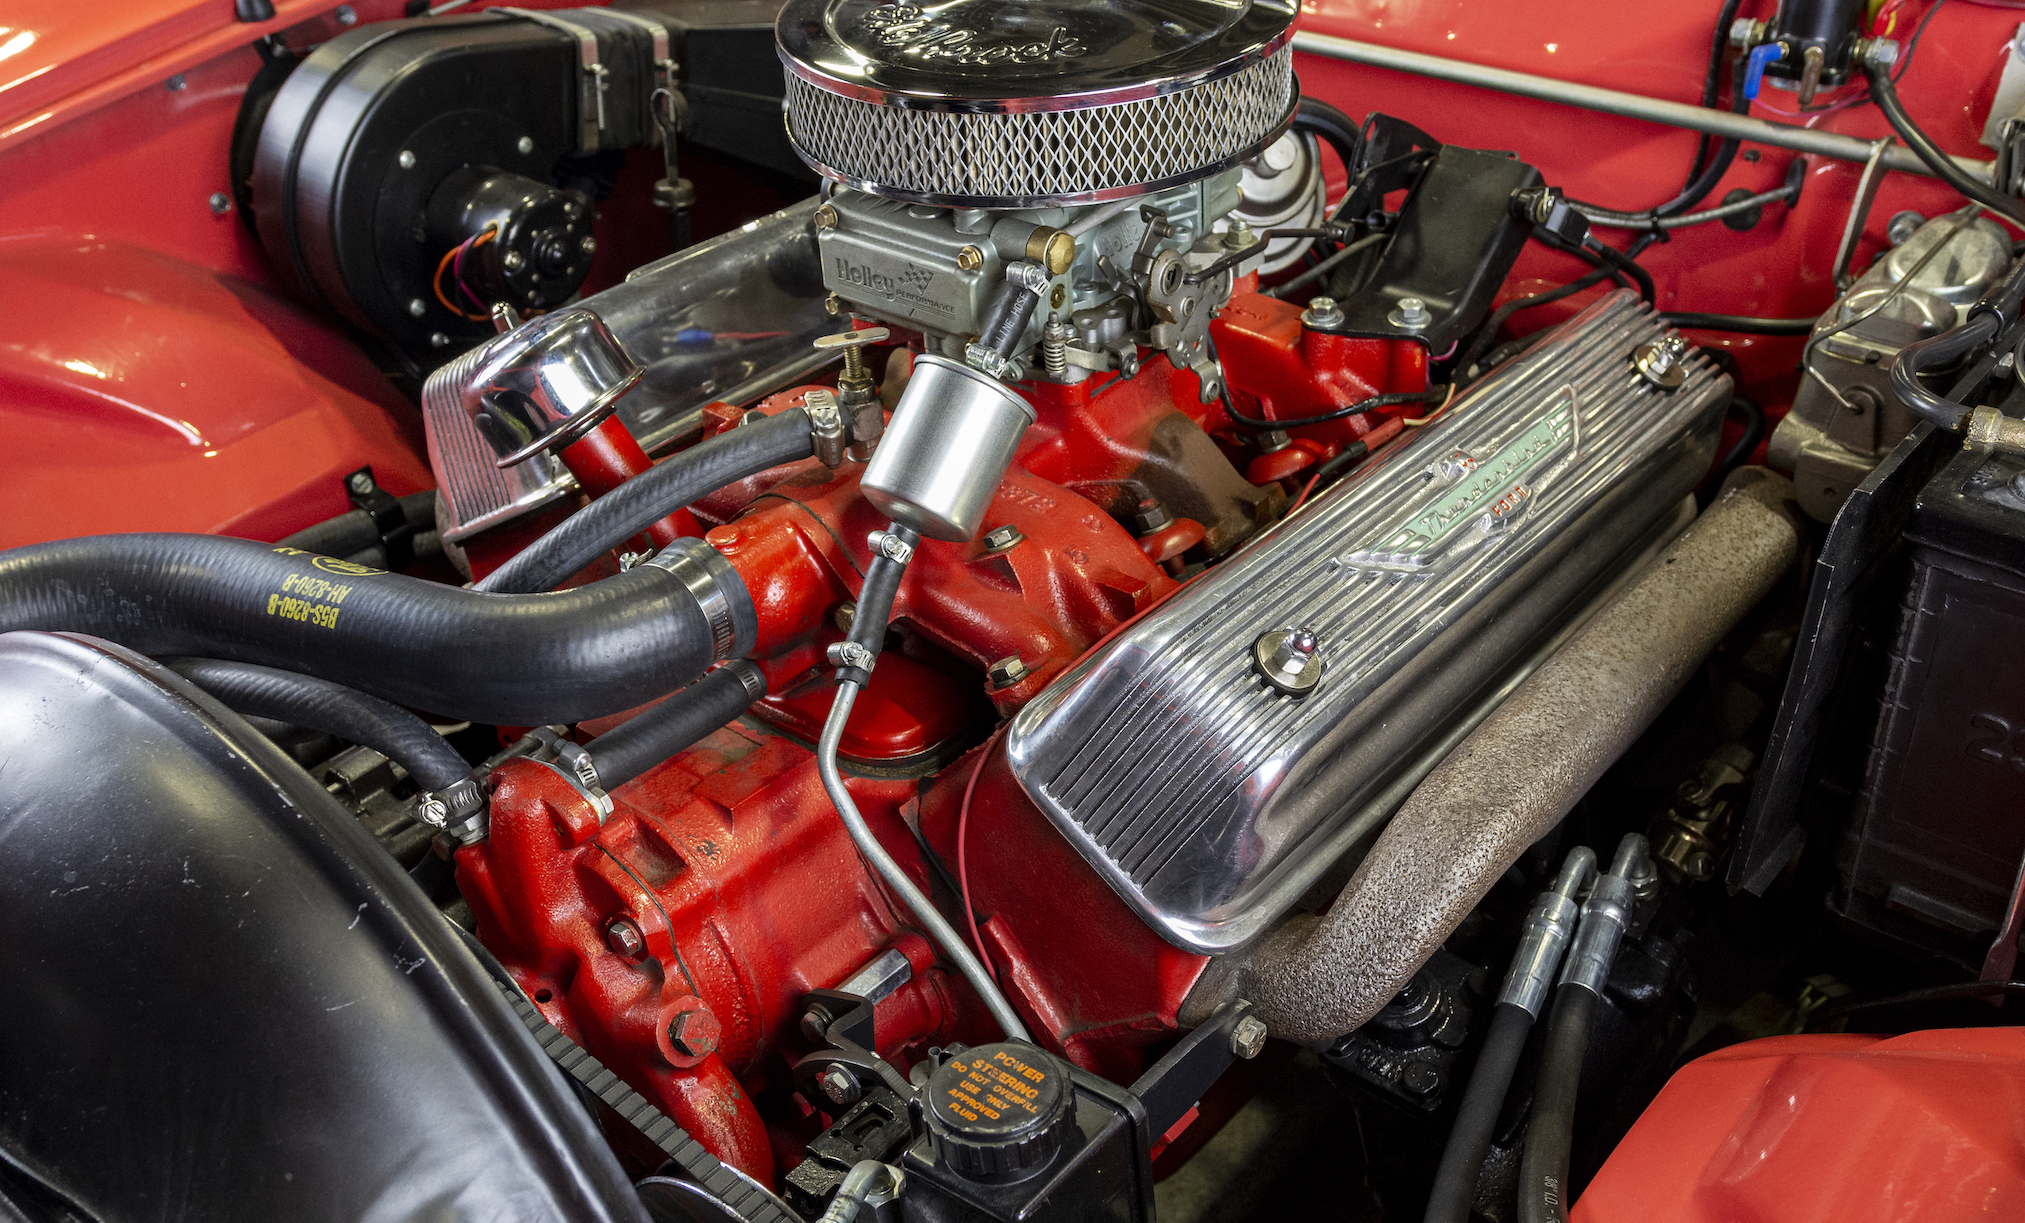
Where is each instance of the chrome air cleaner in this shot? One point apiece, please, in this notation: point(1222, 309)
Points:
point(989, 104)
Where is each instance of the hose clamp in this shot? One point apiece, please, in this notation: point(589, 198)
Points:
point(891, 546)
point(851, 654)
point(719, 593)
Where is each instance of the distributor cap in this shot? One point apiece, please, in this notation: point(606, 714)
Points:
point(986, 103)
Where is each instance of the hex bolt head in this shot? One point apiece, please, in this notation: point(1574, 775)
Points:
point(525, 145)
point(1413, 311)
point(1322, 312)
point(512, 261)
point(969, 259)
point(1248, 1037)
point(826, 217)
point(417, 307)
point(589, 245)
point(843, 617)
point(1008, 671)
point(406, 159)
point(839, 1087)
point(694, 1033)
point(220, 202)
point(1420, 1079)
point(816, 1023)
point(625, 939)
point(432, 811)
point(1000, 538)
point(361, 482)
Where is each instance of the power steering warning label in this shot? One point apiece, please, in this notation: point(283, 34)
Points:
point(995, 1087)
point(312, 599)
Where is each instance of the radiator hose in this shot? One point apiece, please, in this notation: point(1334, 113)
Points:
point(736, 454)
point(304, 700)
point(517, 660)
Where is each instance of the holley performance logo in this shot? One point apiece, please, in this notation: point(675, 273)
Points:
point(905, 287)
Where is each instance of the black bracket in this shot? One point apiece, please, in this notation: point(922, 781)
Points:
point(397, 538)
point(1175, 1083)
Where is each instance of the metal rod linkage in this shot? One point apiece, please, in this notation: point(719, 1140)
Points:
point(1630, 105)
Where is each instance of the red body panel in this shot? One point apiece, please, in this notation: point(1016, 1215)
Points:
point(1922, 1128)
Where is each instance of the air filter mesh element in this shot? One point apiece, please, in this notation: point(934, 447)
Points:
point(991, 104)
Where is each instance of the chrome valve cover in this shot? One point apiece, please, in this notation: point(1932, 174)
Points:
point(1209, 789)
point(985, 104)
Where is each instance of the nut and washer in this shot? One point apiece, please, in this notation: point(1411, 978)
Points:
point(838, 1086)
point(1289, 659)
point(1008, 671)
point(826, 217)
point(1248, 1037)
point(624, 939)
point(969, 259)
point(1411, 314)
point(1661, 362)
point(1322, 312)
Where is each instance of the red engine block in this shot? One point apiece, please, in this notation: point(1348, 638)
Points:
point(676, 938)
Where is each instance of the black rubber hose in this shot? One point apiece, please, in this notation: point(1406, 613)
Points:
point(1332, 127)
point(334, 709)
point(710, 703)
point(1885, 94)
point(1455, 1182)
point(521, 660)
point(1921, 355)
point(1625, 264)
point(1742, 324)
point(1543, 1169)
point(736, 454)
point(1754, 432)
point(1006, 317)
point(355, 531)
point(875, 603)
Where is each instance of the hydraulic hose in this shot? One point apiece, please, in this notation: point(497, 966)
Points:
point(1885, 94)
point(518, 660)
point(736, 454)
point(304, 700)
point(1550, 1133)
point(1921, 355)
point(1548, 929)
point(1543, 1169)
point(710, 703)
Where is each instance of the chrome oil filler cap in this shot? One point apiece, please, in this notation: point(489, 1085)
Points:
point(990, 104)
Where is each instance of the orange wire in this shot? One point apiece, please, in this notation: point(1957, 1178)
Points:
point(962, 866)
point(436, 282)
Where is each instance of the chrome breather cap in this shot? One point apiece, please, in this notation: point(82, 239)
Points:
point(1010, 104)
point(547, 383)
